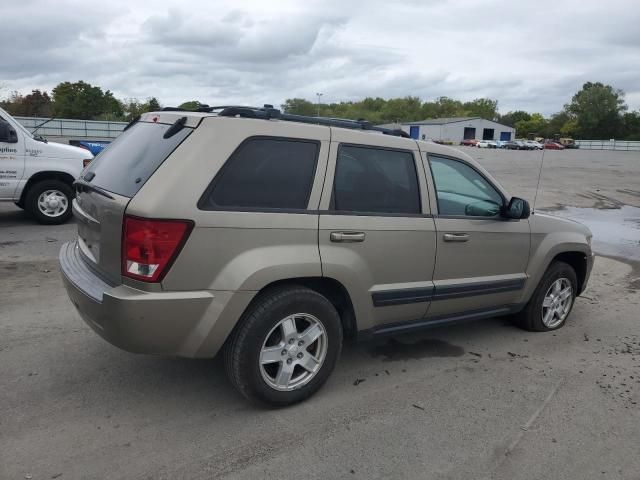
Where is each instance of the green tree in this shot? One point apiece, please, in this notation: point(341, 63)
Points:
point(299, 106)
point(401, 110)
point(482, 107)
point(597, 110)
point(83, 101)
point(631, 125)
point(443, 107)
point(153, 104)
point(511, 118)
point(532, 127)
point(35, 104)
point(132, 107)
point(190, 105)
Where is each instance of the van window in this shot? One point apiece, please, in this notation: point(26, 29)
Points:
point(265, 173)
point(374, 180)
point(128, 162)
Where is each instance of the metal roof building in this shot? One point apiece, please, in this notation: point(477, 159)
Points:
point(455, 129)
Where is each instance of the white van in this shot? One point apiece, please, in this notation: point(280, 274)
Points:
point(36, 175)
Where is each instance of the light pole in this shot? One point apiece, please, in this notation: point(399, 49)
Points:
point(318, 95)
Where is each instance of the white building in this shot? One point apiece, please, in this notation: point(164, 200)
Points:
point(455, 129)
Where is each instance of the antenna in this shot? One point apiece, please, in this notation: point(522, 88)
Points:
point(539, 177)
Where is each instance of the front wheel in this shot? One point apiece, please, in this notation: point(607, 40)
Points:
point(552, 300)
point(49, 201)
point(284, 347)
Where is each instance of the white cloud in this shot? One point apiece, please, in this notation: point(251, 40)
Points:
point(530, 56)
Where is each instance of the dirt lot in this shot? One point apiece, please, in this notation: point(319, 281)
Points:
point(481, 400)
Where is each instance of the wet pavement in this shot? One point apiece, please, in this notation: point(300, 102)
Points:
point(616, 231)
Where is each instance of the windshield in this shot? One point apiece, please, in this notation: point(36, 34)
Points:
point(5, 116)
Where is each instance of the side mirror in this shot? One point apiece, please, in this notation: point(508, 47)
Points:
point(518, 208)
point(7, 134)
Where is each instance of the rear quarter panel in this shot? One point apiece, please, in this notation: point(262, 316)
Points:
point(232, 250)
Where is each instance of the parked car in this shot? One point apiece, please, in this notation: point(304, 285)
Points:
point(513, 145)
point(533, 145)
point(553, 146)
point(275, 238)
point(469, 142)
point(37, 175)
point(567, 142)
point(486, 144)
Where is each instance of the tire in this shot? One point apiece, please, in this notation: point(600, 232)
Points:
point(59, 208)
point(531, 317)
point(261, 327)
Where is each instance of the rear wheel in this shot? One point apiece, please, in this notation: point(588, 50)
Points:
point(49, 201)
point(285, 346)
point(552, 301)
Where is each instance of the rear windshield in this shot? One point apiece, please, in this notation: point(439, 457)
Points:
point(127, 163)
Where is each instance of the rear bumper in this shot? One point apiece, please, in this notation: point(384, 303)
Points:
point(187, 324)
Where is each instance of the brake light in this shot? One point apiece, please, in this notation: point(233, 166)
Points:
point(149, 247)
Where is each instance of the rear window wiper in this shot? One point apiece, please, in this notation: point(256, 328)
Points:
point(80, 186)
point(131, 123)
point(175, 128)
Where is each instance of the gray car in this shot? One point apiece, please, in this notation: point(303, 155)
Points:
point(274, 238)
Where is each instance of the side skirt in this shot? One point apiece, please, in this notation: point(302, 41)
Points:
point(434, 322)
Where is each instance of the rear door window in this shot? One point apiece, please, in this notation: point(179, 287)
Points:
point(265, 173)
point(375, 180)
point(128, 162)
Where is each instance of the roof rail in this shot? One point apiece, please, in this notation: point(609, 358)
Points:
point(268, 112)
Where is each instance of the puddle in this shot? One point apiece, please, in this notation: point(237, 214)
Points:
point(616, 232)
point(394, 349)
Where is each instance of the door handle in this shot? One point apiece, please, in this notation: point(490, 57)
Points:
point(456, 237)
point(349, 237)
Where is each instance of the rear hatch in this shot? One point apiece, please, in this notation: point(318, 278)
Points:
point(106, 186)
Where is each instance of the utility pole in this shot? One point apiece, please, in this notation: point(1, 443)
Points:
point(319, 95)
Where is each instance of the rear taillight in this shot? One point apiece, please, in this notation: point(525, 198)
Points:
point(149, 247)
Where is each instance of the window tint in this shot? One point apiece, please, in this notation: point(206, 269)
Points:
point(461, 190)
point(128, 162)
point(266, 173)
point(371, 180)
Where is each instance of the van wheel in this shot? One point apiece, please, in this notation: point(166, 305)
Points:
point(49, 201)
point(284, 347)
point(552, 300)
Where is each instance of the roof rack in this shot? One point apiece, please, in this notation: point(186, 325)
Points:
point(268, 112)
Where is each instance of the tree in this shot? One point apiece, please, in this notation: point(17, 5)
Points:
point(482, 107)
point(37, 104)
point(631, 125)
point(443, 107)
point(84, 101)
point(511, 118)
point(299, 106)
point(597, 110)
point(132, 107)
point(535, 126)
point(153, 104)
point(401, 110)
point(190, 105)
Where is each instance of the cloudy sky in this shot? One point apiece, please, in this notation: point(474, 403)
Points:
point(527, 55)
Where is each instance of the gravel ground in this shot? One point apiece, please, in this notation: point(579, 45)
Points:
point(480, 400)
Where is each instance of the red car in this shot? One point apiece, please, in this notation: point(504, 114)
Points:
point(470, 142)
point(553, 146)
